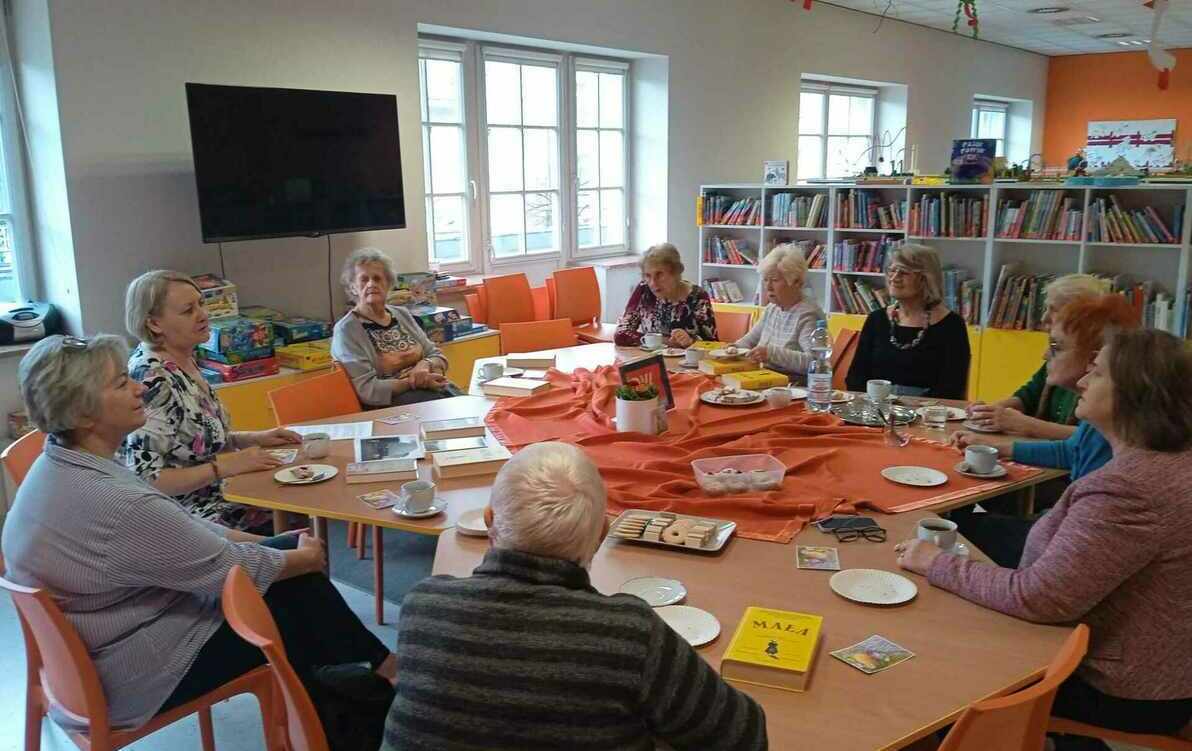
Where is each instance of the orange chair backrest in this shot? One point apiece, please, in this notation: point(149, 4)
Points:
point(536, 335)
point(475, 307)
point(844, 349)
point(315, 398)
point(552, 295)
point(509, 299)
point(20, 455)
point(57, 658)
point(1018, 722)
point(577, 295)
point(249, 616)
point(731, 325)
point(542, 304)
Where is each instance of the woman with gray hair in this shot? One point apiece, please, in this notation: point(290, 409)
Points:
point(186, 447)
point(136, 575)
point(664, 303)
point(385, 352)
point(916, 343)
point(781, 340)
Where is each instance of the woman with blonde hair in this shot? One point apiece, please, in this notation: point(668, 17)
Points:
point(916, 343)
point(781, 340)
point(664, 303)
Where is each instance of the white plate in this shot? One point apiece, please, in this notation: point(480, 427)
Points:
point(954, 413)
point(922, 477)
point(655, 590)
point(998, 471)
point(840, 397)
point(472, 523)
point(755, 397)
point(436, 507)
point(672, 352)
point(322, 472)
point(970, 425)
point(697, 626)
point(797, 393)
point(872, 586)
point(727, 353)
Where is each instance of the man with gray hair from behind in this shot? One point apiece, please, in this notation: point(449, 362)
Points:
point(526, 654)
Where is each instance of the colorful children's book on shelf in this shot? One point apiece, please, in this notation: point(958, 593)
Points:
point(948, 215)
point(1109, 222)
point(867, 256)
point(774, 648)
point(857, 296)
point(862, 209)
point(723, 290)
point(720, 209)
point(793, 210)
point(1044, 215)
point(1018, 300)
point(972, 160)
point(728, 250)
point(963, 295)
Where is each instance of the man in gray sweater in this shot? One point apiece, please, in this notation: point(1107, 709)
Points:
point(525, 654)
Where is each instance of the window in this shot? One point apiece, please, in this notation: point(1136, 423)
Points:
point(989, 121)
point(444, 154)
point(16, 261)
point(836, 127)
point(600, 156)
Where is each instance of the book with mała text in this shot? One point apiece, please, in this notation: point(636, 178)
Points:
point(774, 648)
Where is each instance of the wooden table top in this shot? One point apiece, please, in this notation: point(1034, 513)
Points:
point(962, 652)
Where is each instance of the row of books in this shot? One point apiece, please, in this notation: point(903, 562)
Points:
point(728, 250)
point(1109, 222)
point(857, 296)
point(791, 210)
point(862, 255)
point(858, 209)
point(948, 215)
point(963, 295)
point(1154, 306)
point(718, 209)
point(1018, 301)
point(816, 253)
point(723, 290)
point(1044, 215)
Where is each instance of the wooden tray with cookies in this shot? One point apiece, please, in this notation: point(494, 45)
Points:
point(672, 530)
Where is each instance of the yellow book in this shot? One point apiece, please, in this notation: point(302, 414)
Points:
point(774, 648)
point(707, 346)
point(720, 367)
point(755, 380)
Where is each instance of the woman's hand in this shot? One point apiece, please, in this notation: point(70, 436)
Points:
point(393, 363)
point(252, 459)
point(916, 555)
point(274, 437)
point(758, 354)
point(998, 417)
point(426, 379)
point(680, 338)
point(962, 439)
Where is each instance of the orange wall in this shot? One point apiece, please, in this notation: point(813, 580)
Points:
point(1117, 86)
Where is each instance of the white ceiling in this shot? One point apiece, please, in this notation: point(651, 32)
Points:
point(1067, 33)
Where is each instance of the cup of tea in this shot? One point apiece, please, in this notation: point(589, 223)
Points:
point(778, 397)
point(939, 532)
point(981, 459)
point(878, 390)
point(491, 370)
point(692, 356)
point(653, 341)
point(418, 495)
point(316, 445)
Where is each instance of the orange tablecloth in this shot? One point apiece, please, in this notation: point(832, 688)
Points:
point(831, 466)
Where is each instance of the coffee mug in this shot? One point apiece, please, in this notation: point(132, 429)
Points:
point(778, 397)
point(419, 495)
point(316, 445)
point(878, 390)
point(654, 341)
point(981, 459)
point(940, 532)
point(693, 356)
point(491, 370)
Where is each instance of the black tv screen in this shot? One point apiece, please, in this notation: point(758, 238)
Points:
point(286, 162)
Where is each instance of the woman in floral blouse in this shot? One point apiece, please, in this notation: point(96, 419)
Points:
point(186, 448)
point(664, 303)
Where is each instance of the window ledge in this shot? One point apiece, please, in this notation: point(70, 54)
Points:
point(16, 349)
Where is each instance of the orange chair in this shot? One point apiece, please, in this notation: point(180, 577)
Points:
point(543, 306)
point(60, 675)
point(731, 325)
point(249, 616)
point(576, 295)
point(20, 455)
point(1180, 742)
point(509, 300)
point(477, 303)
point(533, 336)
point(1018, 722)
point(844, 349)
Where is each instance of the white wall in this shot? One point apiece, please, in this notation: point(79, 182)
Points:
point(732, 73)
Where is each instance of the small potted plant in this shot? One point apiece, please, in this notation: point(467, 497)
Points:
point(637, 408)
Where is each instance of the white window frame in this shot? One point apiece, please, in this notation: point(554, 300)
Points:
point(12, 161)
point(827, 90)
point(990, 105)
point(593, 65)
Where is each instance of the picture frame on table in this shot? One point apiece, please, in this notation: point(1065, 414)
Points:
point(647, 370)
point(775, 171)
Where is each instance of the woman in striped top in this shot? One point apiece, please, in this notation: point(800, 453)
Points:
point(781, 340)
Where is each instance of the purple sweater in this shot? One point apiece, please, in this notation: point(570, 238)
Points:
point(1115, 553)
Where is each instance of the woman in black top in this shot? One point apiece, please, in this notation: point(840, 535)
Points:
point(916, 343)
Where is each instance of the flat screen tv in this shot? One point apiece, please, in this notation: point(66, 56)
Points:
point(288, 162)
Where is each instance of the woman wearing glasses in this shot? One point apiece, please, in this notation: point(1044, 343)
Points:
point(1114, 552)
point(916, 343)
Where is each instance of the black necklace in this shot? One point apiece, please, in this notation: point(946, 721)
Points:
point(894, 319)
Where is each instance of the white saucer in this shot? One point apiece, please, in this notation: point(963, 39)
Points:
point(697, 626)
point(436, 507)
point(873, 586)
point(472, 523)
point(322, 472)
point(797, 393)
point(954, 413)
point(921, 477)
point(672, 352)
point(998, 471)
point(655, 590)
point(970, 425)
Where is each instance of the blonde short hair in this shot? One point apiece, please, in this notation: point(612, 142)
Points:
point(1071, 287)
point(789, 261)
point(145, 296)
point(61, 379)
point(549, 500)
point(665, 255)
point(360, 257)
point(926, 261)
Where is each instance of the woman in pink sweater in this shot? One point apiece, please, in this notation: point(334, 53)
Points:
point(1115, 552)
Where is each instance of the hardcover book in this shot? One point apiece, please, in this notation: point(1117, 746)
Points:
point(485, 461)
point(972, 160)
point(385, 470)
point(509, 386)
point(755, 380)
point(456, 427)
point(774, 648)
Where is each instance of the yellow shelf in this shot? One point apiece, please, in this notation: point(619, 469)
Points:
point(754, 311)
point(1009, 358)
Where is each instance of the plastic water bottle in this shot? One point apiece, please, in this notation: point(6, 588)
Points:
point(819, 372)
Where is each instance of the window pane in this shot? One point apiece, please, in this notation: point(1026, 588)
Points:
point(612, 158)
point(443, 91)
point(860, 116)
point(586, 158)
point(612, 217)
point(450, 229)
point(502, 93)
point(542, 222)
point(612, 92)
point(811, 156)
point(587, 208)
point(422, 86)
point(447, 159)
point(811, 112)
point(991, 124)
point(838, 113)
point(842, 156)
point(540, 95)
point(508, 223)
point(1001, 147)
point(504, 159)
point(585, 99)
point(426, 156)
point(542, 159)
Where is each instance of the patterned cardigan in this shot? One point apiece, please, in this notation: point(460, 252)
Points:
point(647, 314)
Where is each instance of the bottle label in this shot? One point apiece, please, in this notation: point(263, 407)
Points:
point(819, 381)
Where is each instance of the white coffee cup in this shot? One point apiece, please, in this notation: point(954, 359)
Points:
point(316, 445)
point(778, 397)
point(653, 341)
point(419, 495)
point(981, 459)
point(491, 370)
point(878, 390)
point(692, 356)
point(939, 532)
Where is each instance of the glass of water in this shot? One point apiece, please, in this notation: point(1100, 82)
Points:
point(935, 417)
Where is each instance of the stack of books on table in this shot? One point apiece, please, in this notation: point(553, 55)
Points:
point(859, 209)
point(963, 295)
point(791, 210)
point(470, 462)
point(857, 296)
point(718, 209)
point(728, 250)
point(862, 255)
point(1044, 215)
point(948, 215)
point(1109, 222)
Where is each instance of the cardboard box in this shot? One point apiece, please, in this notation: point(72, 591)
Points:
point(261, 313)
point(244, 370)
point(433, 316)
point(413, 288)
point(323, 344)
point(234, 357)
point(295, 329)
point(219, 296)
point(303, 357)
point(239, 335)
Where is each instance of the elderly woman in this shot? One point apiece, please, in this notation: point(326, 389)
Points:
point(578, 658)
point(1041, 409)
point(186, 447)
point(664, 303)
point(781, 340)
point(917, 343)
point(1112, 553)
point(385, 352)
point(137, 576)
